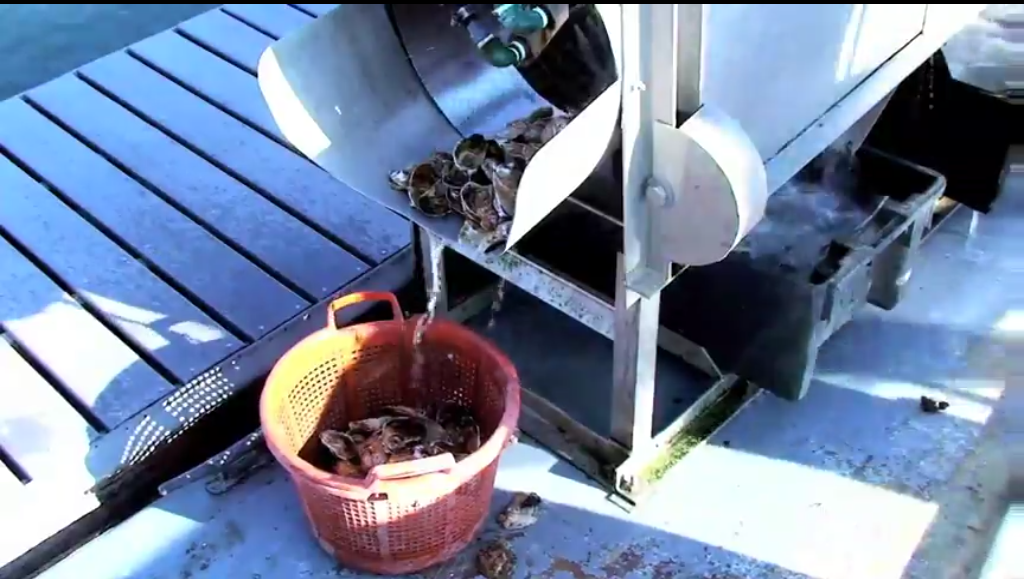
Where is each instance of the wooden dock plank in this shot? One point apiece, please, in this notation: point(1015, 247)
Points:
point(219, 81)
point(157, 319)
point(237, 38)
point(273, 19)
point(246, 46)
point(245, 296)
point(39, 430)
point(316, 9)
point(373, 232)
point(105, 376)
point(269, 234)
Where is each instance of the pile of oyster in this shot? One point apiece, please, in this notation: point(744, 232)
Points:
point(399, 434)
point(478, 180)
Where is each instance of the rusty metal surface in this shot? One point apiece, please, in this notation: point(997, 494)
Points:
point(855, 481)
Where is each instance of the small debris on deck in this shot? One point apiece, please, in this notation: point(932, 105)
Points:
point(932, 406)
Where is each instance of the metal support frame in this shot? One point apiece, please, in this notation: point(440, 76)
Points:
point(650, 96)
point(632, 321)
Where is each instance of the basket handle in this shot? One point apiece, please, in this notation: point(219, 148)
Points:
point(442, 463)
point(358, 298)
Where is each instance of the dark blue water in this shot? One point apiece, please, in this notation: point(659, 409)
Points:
point(41, 41)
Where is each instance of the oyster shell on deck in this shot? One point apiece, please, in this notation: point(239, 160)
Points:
point(496, 560)
point(521, 512)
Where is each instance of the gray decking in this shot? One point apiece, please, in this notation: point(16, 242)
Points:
point(153, 224)
point(853, 482)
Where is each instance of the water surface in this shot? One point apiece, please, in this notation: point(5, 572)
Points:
point(41, 41)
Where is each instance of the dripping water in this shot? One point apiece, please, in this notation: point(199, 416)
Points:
point(433, 293)
point(499, 298)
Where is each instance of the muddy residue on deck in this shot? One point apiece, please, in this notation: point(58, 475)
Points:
point(562, 565)
point(628, 560)
point(200, 554)
point(618, 564)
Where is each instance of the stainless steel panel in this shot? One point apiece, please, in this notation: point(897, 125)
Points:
point(776, 68)
point(475, 96)
point(343, 92)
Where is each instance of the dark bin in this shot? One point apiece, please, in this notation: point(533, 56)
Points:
point(766, 321)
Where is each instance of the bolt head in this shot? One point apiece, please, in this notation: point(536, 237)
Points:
point(657, 194)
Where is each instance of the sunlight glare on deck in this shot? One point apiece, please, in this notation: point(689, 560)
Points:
point(808, 520)
point(96, 367)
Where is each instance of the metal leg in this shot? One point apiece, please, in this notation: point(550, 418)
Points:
point(435, 280)
point(635, 354)
point(431, 253)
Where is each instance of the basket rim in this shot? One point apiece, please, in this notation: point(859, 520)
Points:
point(356, 488)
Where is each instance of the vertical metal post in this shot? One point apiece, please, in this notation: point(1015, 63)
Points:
point(634, 360)
point(649, 95)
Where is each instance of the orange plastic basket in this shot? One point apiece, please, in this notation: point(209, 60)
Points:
point(408, 516)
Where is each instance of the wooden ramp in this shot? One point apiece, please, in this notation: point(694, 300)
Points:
point(160, 245)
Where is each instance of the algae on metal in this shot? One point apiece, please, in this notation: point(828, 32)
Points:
point(701, 429)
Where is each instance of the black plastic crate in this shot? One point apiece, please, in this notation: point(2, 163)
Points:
point(765, 319)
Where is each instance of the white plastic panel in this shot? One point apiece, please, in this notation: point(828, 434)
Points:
point(777, 67)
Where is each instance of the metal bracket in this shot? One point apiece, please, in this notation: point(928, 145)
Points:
point(226, 469)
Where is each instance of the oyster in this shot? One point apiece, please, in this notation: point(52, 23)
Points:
point(494, 152)
point(504, 179)
point(397, 434)
point(515, 130)
point(552, 127)
point(441, 161)
point(521, 512)
point(469, 153)
point(480, 178)
point(424, 193)
point(479, 205)
point(372, 451)
point(347, 469)
point(521, 152)
point(535, 132)
point(399, 180)
point(496, 560)
point(540, 114)
point(398, 410)
point(341, 445)
point(453, 179)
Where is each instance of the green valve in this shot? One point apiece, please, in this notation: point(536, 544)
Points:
point(501, 55)
point(522, 18)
